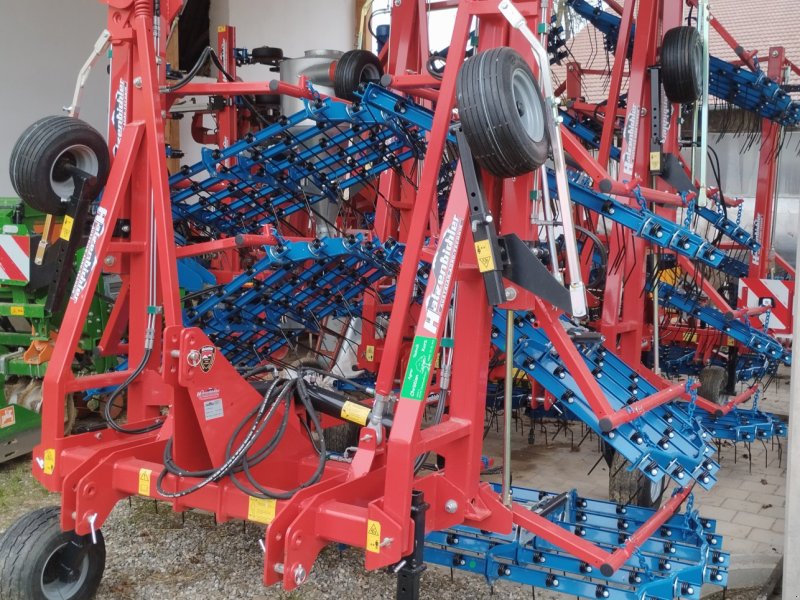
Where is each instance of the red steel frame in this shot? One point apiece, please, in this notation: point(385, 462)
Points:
point(93, 471)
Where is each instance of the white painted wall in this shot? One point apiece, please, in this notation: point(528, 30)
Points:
point(294, 25)
point(740, 178)
point(43, 44)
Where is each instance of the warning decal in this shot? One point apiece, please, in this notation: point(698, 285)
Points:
point(144, 481)
point(485, 258)
point(261, 510)
point(49, 461)
point(373, 536)
point(355, 413)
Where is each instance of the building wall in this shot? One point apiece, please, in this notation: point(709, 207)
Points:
point(740, 178)
point(294, 25)
point(44, 44)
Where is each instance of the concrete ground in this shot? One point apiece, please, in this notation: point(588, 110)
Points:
point(747, 501)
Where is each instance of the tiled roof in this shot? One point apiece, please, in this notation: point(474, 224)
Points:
point(755, 26)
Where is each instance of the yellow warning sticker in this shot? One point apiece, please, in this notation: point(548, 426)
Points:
point(261, 510)
point(355, 413)
point(17, 311)
point(373, 536)
point(369, 353)
point(49, 461)
point(144, 481)
point(485, 259)
point(66, 228)
point(655, 161)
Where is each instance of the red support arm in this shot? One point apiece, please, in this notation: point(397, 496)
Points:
point(585, 550)
point(634, 411)
point(735, 401)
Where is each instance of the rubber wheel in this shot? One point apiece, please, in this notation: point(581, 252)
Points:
point(38, 561)
point(341, 437)
point(502, 113)
point(266, 55)
point(682, 64)
point(42, 152)
point(712, 384)
point(353, 70)
point(632, 487)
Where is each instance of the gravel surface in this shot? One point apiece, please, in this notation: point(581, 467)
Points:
point(155, 554)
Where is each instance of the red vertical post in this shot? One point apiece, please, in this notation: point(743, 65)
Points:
point(617, 72)
point(763, 216)
point(623, 311)
point(226, 119)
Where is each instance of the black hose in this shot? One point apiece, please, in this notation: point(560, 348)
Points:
point(115, 394)
point(244, 457)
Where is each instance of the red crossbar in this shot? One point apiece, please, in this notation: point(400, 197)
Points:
point(589, 552)
point(635, 410)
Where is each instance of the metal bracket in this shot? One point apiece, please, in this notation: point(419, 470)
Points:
point(524, 267)
point(78, 211)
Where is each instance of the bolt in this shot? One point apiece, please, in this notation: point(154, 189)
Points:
point(774, 54)
point(108, 261)
point(451, 506)
point(137, 82)
point(299, 574)
point(511, 293)
point(278, 568)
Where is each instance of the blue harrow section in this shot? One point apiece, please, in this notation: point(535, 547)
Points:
point(680, 359)
point(744, 425)
point(751, 91)
point(666, 441)
point(675, 562)
point(754, 339)
point(293, 164)
point(292, 290)
point(651, 227)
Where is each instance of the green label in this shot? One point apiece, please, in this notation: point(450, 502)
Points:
point(418, 372)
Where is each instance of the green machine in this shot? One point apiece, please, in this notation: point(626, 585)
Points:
point(29, 319)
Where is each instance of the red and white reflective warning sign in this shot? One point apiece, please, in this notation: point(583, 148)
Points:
point(15, 257)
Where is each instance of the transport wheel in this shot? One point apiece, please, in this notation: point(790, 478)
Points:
point(266, 55)
point(354, 69)
point(341, 437)
point(502, 113)
point(712, 384)
point(682, 64)
point(38, 561)
point(632, 487)
point(41, 158)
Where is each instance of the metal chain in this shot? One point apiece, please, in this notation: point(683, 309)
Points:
point(693, 395)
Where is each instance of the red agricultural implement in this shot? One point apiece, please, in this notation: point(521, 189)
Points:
point(422, 217)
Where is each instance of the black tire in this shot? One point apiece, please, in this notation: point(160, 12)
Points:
point(682, 64)
point(712, 384)
point(502, 113)
point(353, 70)
point(266, 55)
point(341, 437)
point(632, 487)
point(38, 561)
point(44, 149)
